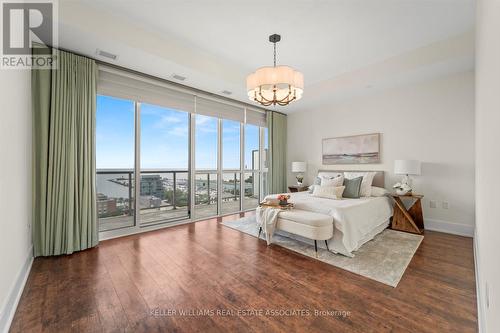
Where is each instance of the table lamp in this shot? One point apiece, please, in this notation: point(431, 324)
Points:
point(299, 168)
point(406, 168)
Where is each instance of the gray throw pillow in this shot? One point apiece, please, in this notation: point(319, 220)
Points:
point(352, 187)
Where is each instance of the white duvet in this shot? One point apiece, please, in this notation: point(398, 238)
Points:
point(356, 221)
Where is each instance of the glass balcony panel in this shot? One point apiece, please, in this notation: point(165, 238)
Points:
point(205, 195)
point(115, 201)
point(230, 193)
point(163, 196)
point(251, 186)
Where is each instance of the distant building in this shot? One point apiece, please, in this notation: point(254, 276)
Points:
point(152, 185)
point(105, 205)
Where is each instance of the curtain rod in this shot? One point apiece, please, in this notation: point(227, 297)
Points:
point(180, 85)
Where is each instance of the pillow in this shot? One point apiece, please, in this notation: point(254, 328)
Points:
point(332, 181)
point(317, 181)
point(379, 191)
point(328, 192)
point(366, 184)
point(352, 187)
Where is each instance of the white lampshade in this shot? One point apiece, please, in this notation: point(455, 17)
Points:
point(407, 167)
point(299, 166)
point(275, 83)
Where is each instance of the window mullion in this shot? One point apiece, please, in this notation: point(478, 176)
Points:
point(219, 166)
point(192, 163)
point(242, 165)
point(137, 179)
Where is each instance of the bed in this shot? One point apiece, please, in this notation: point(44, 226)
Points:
point(356, 221)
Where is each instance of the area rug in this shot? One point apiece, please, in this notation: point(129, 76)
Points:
point(383, 259)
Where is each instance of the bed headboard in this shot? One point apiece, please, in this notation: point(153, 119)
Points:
point(378, 180)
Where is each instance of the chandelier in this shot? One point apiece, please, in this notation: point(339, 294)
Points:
point(275, 85)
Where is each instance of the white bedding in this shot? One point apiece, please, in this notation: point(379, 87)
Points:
point(356, 220)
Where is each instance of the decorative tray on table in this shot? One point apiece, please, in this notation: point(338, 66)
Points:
point(289, 205)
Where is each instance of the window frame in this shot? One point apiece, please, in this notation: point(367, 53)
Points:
point(192, 172)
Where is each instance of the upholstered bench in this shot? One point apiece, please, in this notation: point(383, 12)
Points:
point(310, 225)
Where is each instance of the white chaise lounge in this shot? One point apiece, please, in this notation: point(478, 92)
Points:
point(310, 225)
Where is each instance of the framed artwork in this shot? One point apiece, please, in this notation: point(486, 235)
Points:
point(356, 149)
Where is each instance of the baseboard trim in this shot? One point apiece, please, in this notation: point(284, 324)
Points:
point(449, 227)
point(7, 314)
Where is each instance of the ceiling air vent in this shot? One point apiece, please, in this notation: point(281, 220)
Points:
point(178, 77)
point(106, 54)
point(227, 92)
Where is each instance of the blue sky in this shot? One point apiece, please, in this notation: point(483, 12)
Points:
point(164, 138)
point(114, 133)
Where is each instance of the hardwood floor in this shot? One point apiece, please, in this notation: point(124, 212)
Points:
point(141, 283)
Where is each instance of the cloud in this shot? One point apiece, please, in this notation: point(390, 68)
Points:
point(179, 131)
point(206, 124)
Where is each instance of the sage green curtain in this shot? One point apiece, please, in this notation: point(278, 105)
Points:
point(276, 123)
point(64, 195)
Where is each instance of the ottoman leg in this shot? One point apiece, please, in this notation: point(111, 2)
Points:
point(260, 231)
point(316, 246)
point(326, 242)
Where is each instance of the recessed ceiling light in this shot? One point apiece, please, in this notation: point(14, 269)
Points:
point(227, 92)
point(178, 77)
point(106, 54)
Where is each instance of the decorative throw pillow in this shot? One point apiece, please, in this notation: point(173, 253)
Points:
point(379, 191)
point(332, 181)
point(328, 192)
point(317, 181)
point(366, 184)
point(352, 187)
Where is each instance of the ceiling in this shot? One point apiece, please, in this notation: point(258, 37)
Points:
point(343, 47)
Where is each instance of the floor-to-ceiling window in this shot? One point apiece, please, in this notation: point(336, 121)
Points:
point(115, 143)
point(206, 166)
point(164, 161)
point(251, 178)
point(231, 164)
point(171, 156)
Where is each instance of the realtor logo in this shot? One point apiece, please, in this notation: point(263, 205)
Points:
point(26, 26)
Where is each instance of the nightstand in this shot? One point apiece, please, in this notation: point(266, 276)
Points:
point(408, 219)
point(297, 188)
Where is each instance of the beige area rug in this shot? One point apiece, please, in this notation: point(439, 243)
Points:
point(383, 259)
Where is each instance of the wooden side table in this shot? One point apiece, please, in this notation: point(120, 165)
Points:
point(411, 219)
point(297, 188)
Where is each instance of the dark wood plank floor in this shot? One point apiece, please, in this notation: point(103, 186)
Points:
point(141, 283)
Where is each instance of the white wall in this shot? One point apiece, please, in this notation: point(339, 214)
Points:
point(488, 163)
point(15, 187)
point(431, 121)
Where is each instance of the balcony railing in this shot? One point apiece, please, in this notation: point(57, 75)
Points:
point(164, 196)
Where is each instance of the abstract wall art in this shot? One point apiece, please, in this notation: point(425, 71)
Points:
point(356, 149)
